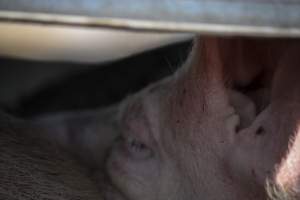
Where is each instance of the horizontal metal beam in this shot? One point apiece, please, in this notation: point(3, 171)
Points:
point(226, 17)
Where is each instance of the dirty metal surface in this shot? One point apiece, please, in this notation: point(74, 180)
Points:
point(225, 17)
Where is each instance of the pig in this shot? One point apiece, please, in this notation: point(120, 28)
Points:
point(223, 127)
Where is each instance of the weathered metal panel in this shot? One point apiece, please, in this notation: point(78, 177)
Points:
point(243, 17)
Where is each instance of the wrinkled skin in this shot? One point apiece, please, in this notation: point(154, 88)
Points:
point(193, 136)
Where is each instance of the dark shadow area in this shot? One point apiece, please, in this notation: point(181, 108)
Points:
point(78, 87)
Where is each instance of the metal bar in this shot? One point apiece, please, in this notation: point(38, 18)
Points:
point(227, 17)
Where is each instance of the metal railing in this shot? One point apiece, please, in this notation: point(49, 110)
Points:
point(227, 17)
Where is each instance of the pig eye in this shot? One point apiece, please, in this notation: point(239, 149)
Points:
point(137, 149)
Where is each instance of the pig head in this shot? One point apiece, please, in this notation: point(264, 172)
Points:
point(204, 132)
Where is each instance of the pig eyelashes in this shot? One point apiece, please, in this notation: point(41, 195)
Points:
point(136, 149)
point(136, 141)
point(136, 135)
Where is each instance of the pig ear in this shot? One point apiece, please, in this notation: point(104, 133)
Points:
point(205, 78)
point(229, 61)
point(242, 60)
point(219, 64)
point(214, 66)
